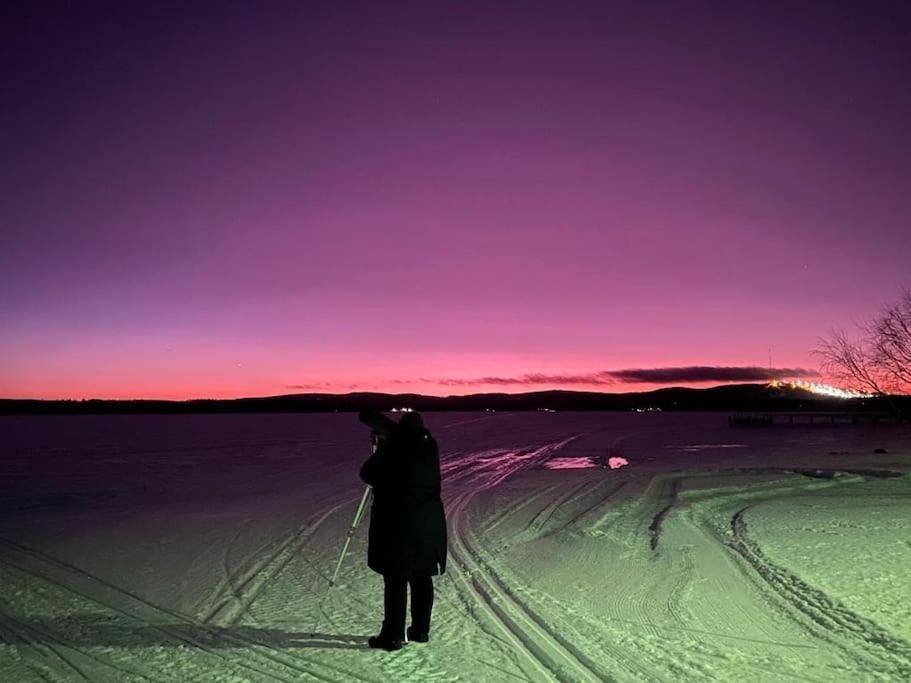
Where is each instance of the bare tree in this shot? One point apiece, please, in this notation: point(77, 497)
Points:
point(878, 360)
point(848, 362)
point(891, 344)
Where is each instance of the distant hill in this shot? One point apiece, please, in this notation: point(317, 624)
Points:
point(730, 397)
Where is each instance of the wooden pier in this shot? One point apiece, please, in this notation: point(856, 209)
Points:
point(804, 418)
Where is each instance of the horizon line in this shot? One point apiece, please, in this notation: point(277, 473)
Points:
point(387, 393)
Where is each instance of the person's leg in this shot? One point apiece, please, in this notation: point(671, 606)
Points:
point(421, 604)
point(394, 596)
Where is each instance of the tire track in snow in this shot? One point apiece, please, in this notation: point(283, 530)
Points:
point(684, 580)
point(591, 668)
point(509, 626)
point(667, 497)
point(655, 603)
point(541, 653)
point(657, 598)
point(257, 656)
point(584, 624)
point(493, 521)
point(828, 619)
point(708, 515)
point(534, 653)
point(537, 525)
point(579, 516)
point(563, 660)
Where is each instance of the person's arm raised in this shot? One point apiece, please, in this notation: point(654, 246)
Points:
point(377, 468)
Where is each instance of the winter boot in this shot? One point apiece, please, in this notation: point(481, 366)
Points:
point(415, 637)
point(382, 642)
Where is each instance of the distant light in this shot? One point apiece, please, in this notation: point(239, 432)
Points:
point(817, 388)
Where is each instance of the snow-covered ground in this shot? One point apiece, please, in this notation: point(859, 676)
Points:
point(198, 548)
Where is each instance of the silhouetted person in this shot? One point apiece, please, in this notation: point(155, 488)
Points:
point(407, 540)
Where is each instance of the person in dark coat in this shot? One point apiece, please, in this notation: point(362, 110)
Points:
point(407, 537)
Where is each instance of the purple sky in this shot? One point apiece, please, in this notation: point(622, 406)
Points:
point(214, 200)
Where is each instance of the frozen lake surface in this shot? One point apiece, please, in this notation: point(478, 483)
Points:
point(198, 548)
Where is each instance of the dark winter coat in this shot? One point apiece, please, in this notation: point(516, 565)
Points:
point(407, 524)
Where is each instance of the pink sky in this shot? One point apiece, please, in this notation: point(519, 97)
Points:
point(367, 196)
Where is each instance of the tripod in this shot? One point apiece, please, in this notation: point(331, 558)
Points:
point(380, 425)
point(375, 438)
point(338, 565)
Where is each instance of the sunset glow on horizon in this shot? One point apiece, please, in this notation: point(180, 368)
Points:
point(254, 200)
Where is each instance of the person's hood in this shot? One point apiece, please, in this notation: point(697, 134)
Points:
point(412, 422)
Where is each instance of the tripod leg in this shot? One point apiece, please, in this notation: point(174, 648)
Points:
point(357, 518)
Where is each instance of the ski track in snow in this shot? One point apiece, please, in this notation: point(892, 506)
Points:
point(239, 589)
point(45, 650)
point(256, 658)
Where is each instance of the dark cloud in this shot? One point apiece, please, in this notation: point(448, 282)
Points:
point(706, 373)
point(693, 374)
point(533, 378)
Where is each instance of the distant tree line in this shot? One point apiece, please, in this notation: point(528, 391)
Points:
point(729, 397)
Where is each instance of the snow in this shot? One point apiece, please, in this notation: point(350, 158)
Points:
point(199, 548)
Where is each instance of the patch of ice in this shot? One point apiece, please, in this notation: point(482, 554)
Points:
point(614, 463)
point(569, 463)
